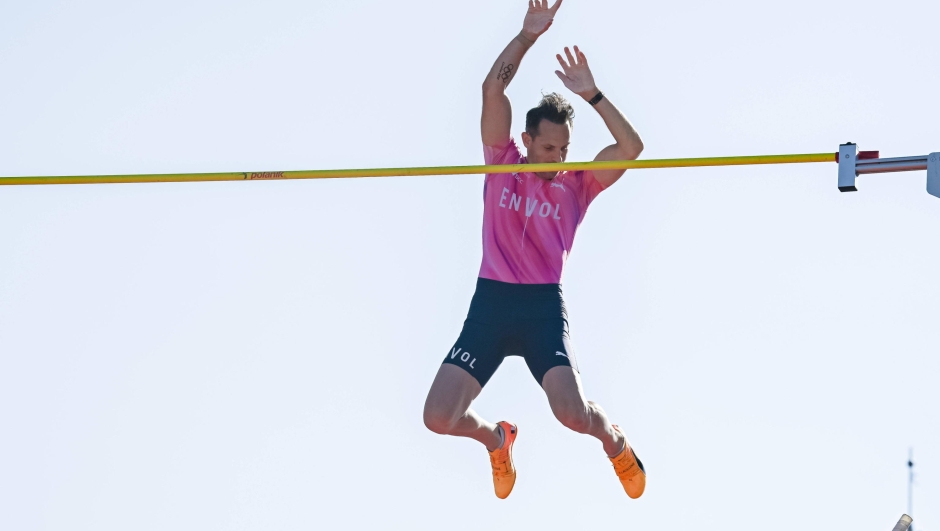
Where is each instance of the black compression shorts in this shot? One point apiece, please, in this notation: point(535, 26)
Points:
point(527, 320)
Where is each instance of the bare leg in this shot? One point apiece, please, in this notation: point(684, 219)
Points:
point(562, 385)
point(447, 408)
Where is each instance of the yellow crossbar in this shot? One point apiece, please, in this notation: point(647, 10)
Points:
point(434, 170)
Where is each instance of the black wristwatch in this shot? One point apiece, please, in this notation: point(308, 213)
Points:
point(597, 99)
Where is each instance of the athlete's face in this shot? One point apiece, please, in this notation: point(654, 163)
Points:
point(550, 145)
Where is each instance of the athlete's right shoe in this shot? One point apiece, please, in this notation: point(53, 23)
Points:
point(629, 469)
point(504, 473)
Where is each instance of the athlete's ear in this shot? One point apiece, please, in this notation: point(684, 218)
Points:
point(526, 139)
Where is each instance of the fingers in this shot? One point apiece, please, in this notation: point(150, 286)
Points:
point(571, 60)
point(576, 59)
point(580, 55)
point(555, 7)
point(564, 79)
point(543, 5)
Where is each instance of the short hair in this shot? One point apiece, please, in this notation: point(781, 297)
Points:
point(554, 108)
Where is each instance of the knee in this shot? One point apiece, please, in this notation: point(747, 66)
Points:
point(574, 418)
point(438, 421)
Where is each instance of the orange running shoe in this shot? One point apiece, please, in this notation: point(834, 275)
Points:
point(504, 473)
point(629, 469)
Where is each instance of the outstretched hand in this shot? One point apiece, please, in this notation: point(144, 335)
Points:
point(539, 18)
point(577, 75)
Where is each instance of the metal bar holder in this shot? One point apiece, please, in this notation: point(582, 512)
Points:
point(853, 163)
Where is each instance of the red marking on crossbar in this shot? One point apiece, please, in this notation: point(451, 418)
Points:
point(864, 155)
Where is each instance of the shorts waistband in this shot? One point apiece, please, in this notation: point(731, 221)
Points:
point(495, 300)
point(497, 286)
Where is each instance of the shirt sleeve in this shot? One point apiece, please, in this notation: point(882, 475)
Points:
point(590, 188)
point(506, 152)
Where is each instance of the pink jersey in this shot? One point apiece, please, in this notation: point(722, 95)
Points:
point(529, 223)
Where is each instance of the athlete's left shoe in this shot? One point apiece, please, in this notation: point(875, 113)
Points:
point(504, 472)
point(629, 469)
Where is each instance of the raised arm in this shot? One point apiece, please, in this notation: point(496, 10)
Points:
point(578, 78)
point(496, 122)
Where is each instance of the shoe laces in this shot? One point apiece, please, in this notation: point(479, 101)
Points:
point(626, 465)
point(499, 460)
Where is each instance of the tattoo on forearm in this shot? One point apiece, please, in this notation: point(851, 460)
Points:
point(505, 72)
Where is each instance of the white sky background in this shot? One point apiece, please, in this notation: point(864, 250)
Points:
point(256, 355)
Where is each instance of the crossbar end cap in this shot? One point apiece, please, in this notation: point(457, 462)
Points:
point(933, 174)
point(904, 523)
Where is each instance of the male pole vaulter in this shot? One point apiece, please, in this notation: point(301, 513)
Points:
point(529, 223)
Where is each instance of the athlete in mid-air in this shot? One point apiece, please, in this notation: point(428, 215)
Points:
point(529, 223)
